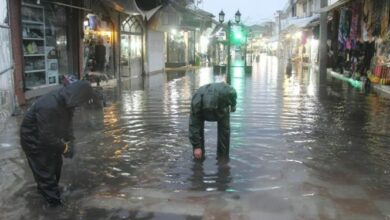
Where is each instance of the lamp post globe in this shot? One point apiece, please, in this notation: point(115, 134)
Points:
point(238, 16)
point(221, 16)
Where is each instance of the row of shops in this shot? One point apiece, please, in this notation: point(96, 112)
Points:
point(299, 39)
point(358, 39)
point(99, 39)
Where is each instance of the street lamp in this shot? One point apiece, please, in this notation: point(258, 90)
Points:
point(236, 35)
point(221, 17)
point(238, 16)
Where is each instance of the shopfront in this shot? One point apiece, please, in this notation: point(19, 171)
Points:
point(98, 46)
point(131, 47)
point(45, 44)
point(6, 65)
point(360, 40)
point(176, 48)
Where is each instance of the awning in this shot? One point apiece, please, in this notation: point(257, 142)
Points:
point(298, 22)
point(149, 14)
point(126, 6)
point(314, 23)
point(334, 5)
point(130, 7)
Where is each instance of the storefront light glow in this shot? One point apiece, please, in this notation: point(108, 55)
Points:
point(298, 35)
point(135, 44)
point(86, 23)
point(105, 33)
point(314, 43)
point(204, 42)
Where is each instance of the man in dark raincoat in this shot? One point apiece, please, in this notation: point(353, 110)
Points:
point(47, 135)
point(212, 102)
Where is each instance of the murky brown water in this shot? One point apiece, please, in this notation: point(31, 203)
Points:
point(298, 151)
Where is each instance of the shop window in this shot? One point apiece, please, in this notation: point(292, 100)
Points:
point(131, 37)
point(131, 25)
point(294, 11)
point(45, 44)
point(191, 47)
point(131, 46)
point(3, 12)
point(176, 47)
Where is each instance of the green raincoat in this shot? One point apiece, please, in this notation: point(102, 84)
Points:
point(212, 102)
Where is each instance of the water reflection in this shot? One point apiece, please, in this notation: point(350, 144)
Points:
point(175, 75)
point(294, 144)
point(205, 178)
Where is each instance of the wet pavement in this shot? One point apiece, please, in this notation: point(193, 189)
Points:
point(298, 151)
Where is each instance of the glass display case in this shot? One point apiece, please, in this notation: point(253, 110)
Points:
point(44, 44)
point(33, 35)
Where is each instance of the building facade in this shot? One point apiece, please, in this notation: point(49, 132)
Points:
point(87, 39)
point(299, 30)
point(7, 100)
point(95, 40)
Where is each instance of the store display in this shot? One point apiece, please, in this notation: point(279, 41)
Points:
point(52, 65)
point(33, 45)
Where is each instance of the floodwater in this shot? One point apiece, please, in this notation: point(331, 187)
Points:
point(298, 151)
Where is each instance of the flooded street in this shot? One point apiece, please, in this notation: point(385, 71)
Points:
point(298, 151)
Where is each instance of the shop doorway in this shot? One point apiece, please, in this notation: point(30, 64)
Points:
point(98, 48)
point(131, 48)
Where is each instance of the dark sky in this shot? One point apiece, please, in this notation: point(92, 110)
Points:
point(253, 11)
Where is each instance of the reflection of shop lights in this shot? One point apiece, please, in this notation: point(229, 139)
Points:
point(238, 81)
point(238, 72)
point(288, 36)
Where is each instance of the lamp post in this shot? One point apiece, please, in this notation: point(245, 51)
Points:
point(229, 58)
point(234, 36)
point(221, 20)
point(221, 17)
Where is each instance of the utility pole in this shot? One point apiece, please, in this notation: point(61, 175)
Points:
point(279, 33)
point(323, 41)
point(229, 58)
point(279, 23)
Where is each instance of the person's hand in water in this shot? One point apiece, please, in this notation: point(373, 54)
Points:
point(198, 153)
